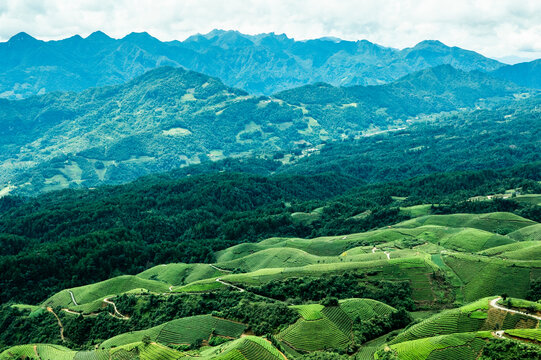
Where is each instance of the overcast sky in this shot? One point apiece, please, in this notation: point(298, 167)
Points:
point(495, 28)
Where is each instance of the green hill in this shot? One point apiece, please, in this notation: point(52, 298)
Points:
point(90, 298)
point(525, 74)
point(179, 274)
point(247, 348)
point(501, 223)
point(186, 331)
point(133, 351)
point(468, 346)
point(170, 118)
point(415, 269)
point(454, 238)
point(330, 327)
point(482, 276)
point(532, 232)
point(476, 316)
point(525, 250)
point(285, 257)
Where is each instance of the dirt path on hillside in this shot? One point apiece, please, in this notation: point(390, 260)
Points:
point(117, 314)
point(230, 285)
point(494, 304)
point(217, 268)
point(36, 351)
point(50, 309)
point(267, 340)
point(73, 298)
point(79, 313)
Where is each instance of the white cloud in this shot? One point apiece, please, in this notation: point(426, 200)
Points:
point(495, 28)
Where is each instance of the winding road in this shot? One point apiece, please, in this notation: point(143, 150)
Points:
point(73, 298)
point(494, 304)
point(117, 313)
point(50, 309)
point(217, 268)
point(230, 285)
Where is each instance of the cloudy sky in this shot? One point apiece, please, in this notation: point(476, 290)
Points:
point(495, 28)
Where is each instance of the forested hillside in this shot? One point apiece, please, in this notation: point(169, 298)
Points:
point(526, 74)
point(95, 234)
point(170, 118)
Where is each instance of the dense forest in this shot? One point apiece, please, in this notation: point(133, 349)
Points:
point(170, 118)
point(93, 235)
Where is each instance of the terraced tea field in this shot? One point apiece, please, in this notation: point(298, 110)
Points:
point(448, 260)
point(323, 327)
point(182, 331)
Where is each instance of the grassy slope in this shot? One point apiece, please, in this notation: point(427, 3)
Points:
point(247, 348)
point(480, 235)
point(179, 273)
point(181, 331)
point(484, 276)
point(416, 269)
point(532, 232)
point(89, 297)
point(465, 346)
point(500, 222)
point(476, 316)
point(280, 258)
point(329, 327)
point(134, 351)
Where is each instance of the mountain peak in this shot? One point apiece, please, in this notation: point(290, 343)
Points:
point(98, 36)
point(139, 36)
point(21, 37)
point(431, 44)
point(330, 38)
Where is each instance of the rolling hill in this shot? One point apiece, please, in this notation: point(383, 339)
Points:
point(248, 348)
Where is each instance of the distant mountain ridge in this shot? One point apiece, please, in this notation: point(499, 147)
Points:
point(260, 64)
point(527, 74)
point(170, 117)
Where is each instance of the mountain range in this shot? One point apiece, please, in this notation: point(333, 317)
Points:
point(170, 117)
point(259, 64)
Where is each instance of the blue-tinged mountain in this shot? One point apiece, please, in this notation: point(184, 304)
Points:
point(170, 117)
point(527, 74)
point(260, 64)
